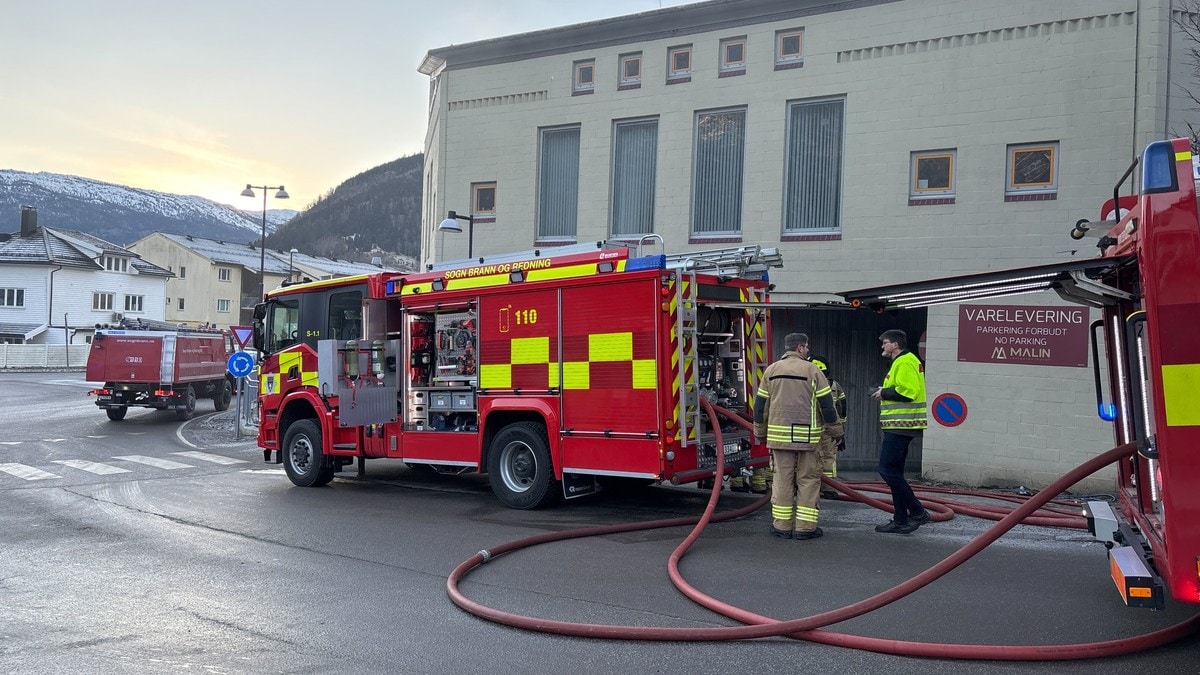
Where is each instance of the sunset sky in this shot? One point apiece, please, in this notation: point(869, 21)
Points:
point(200, 98)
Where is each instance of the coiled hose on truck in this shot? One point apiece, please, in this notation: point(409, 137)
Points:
point(809, 628)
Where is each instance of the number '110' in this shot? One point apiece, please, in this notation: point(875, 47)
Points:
point(525, 316)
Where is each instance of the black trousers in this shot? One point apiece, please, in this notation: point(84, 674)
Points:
point(892, 456)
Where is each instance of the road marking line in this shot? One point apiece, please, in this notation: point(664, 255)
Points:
point(26, 472)
point(91, 467)
point(155, 462)
point(206, 457)
point(53, 440)
point(11, 442)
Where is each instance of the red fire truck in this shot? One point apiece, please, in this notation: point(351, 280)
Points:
point(554, 373)
point(155, 364)
point(1146, 281)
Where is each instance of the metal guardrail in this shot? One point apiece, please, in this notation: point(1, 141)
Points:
point(247, 405)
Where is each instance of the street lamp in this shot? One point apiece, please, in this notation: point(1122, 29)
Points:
point(450, 224)
point(291, 269)
point(262, 248)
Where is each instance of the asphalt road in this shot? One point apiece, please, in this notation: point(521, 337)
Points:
point(222, 566)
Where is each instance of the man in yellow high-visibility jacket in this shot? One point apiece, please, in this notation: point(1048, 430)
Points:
point(902, 417)
point(792, 408)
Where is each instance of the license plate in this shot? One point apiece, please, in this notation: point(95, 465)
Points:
point(732, 448)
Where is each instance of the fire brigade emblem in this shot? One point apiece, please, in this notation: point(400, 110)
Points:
point(270, 381)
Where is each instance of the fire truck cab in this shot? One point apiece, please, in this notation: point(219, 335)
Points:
point(555, 372)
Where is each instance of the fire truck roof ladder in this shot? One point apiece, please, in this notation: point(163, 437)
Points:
point(128, 323)
point(524, 255)
point(751, 261)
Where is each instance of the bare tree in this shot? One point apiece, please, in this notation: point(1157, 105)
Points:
point(1187, 19)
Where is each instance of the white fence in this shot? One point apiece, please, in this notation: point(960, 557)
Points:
point(43, 356)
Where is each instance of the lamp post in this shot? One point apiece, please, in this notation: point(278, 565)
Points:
point(291, 270)
point(262, 247)
point(450, 224)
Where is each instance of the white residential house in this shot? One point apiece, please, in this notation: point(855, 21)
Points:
point(56, 285)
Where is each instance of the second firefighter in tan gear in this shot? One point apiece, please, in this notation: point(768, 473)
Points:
point(829, 446)
point(792, 408)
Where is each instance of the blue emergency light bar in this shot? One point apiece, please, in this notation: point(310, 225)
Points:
point(1158, 168)
point(646, 262)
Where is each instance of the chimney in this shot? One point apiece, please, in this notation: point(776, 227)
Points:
point(28, 221)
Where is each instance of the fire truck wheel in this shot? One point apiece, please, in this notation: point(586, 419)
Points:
point(188, 409)
point(117, 414)
point(223, 396)
point(303, 461)
point(519, 467)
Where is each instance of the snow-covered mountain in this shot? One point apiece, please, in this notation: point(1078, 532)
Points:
point(123, 214)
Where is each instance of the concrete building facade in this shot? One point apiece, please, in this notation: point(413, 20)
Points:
point(872, 141)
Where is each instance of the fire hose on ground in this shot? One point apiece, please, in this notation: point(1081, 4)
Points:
point(810, 628)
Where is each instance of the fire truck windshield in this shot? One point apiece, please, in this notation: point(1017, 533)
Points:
point(283, 329)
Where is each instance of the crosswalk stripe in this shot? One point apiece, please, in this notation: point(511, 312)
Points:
point(155, 461)
point(26, 472)
point(206, 457)
point(91, 467)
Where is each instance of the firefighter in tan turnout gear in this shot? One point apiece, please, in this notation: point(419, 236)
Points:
point(792, 408)
point(830, 446)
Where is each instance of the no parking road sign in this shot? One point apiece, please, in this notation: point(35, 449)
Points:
point(950, 410)
point(240, 364)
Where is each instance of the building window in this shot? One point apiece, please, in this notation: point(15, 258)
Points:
point(733, 56)
point(720, 157)
point(181, 304)
point(115, 264)
point(222, 306)
point(1032, 168)
point(558, 183)
point(635, 157)
point(483, 201)
point(679, 64)
point(102, 301)
point(585, 77)
point(133, 303)
point(182, 272)
point(812, 190)
point(12, 297)
point(789, 48)
point(224, 274)
point(932, 175)
point(631, 71)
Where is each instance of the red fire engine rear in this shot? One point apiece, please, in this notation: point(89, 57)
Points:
point(154, 364)
point(554, 374)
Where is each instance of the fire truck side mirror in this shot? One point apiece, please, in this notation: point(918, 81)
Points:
point(260, 311)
